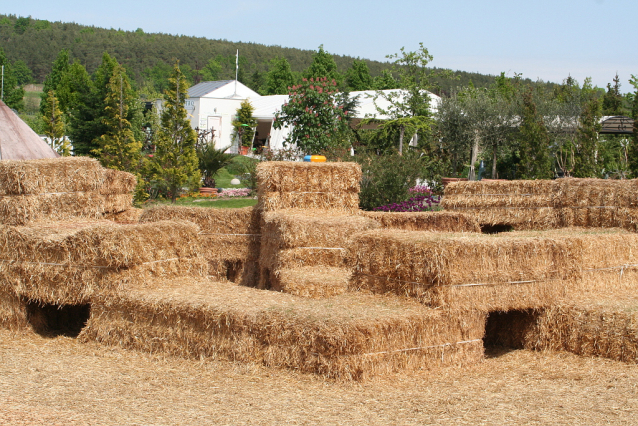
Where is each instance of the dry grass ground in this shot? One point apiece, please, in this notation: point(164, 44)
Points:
point(61, 381)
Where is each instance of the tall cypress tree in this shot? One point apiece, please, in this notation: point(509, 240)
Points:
point(536, 162)
point(279, 77)
point(175, 163)
point(53, 120)
point(60, 67)
point(118, 147)
point(613, 100)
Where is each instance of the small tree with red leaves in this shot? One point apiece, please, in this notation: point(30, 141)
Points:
point(316, 114)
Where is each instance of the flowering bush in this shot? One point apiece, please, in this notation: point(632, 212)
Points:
point(422, 201)
point(235, 192)
point(314, 113)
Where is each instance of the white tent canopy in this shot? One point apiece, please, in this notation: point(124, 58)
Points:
point(18, 141)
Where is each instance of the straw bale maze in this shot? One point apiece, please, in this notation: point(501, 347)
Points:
point(307, 281)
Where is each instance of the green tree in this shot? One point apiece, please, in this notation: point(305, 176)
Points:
point(409, 108)
point(22, 24)
point(358, 76)
point(314, 113)
point(54, 127)
point(13, 94)
point(536, 162)
point(279, 78)
point(244, 123)
point(323, 65)
point(385, 81)
point(52, 81)
point(613, 100)
point(175, 163)
point(22, 73)
point(118, 147)
point(212, 70)
point(585, 161)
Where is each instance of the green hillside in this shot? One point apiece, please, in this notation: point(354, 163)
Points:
point(147, 56)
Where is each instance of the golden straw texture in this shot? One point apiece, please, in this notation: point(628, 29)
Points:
point(441, 221)
point(344, 337)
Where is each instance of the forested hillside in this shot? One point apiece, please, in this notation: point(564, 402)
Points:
point(149, 57)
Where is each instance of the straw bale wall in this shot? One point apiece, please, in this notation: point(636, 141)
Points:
point(129, 216)
point(13, 312)
point(440, 221)
point(325, 186)
point(24, 209)
point(345, 337)
point(539, 204)
point(229, 238)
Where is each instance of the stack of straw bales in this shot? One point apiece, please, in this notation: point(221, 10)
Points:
point(525, 204)
point(61, 189)
point(229, 238)
point(64, 263)
point(544, 204)
point(305, 252)
point(345, 337)
point(325, 186)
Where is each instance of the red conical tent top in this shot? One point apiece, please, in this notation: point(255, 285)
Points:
point(18, 141)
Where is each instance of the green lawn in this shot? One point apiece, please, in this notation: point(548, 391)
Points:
point(223, 178)
point(222, 203)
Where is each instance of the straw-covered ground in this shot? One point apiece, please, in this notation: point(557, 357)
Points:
point(62, 381)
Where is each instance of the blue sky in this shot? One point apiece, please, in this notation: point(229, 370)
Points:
point(540, 39)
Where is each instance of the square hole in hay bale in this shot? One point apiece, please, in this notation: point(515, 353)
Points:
point(57, 320)
point(496, 229)
point(508, 329)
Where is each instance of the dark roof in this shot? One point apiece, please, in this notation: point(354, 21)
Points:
point(617, 125)
point(18, 141)
point(205, 87)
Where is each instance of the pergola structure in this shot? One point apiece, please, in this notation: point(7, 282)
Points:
point(617, 125)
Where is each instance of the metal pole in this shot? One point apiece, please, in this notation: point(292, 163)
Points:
point(2, 93)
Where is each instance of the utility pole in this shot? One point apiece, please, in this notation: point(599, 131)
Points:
point(2, 93)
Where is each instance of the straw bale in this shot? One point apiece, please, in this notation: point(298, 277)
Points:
point(64, 174)
point(117, 203)
point(24, 209)
point(305, 256)
point(13, 312)
point(312, 228)
point(232, 257)
point(440, 221)
point(347, 202)
point(541, 190)
point(131, 215)
point(77, 284)
point(101, 243)
point(519, 218)
point(603, 324)
point(118, 182)
point(573, 192)
point(288, 176)
point(216, 221)
point(344, 337)
point(311, 281)
point(487, 272)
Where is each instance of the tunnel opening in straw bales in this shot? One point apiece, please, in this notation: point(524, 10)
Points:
point(496, 229)
point(507, 330)
point(57, 320)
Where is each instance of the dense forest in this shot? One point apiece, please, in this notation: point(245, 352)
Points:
point(34, 45)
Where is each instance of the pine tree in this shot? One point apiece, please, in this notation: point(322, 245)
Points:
point(323, 65)
point(175, 162)
point(53, 120)
point(118, 147)
point(279, 77)
point(536, 162)
point(52, 81)
point(585, 157)
point(13, 94)
point(612, 100)
point(358, 76)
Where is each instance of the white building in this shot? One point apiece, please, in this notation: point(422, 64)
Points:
point(212, 105)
